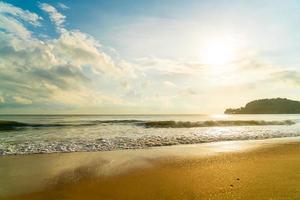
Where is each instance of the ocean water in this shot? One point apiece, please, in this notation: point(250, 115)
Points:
point(27, 134)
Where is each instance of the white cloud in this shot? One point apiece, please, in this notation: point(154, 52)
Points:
point(19, 13)
point(286, 76)
point(12, 18)
point(56, 17)
point(170, 84)
point(2, 100)
point(68, 70)
point(170, 66)
point(14, 26)
point(22, 100)
point(63, 6)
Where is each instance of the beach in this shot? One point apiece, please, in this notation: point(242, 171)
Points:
point(261, 169)
point(149, 100)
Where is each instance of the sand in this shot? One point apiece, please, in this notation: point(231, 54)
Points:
point(265, 169)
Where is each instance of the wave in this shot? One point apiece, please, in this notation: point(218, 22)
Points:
point(12, 125)
point(119, 143)
point(125, 121)
point(6, 125)
point(188, 124)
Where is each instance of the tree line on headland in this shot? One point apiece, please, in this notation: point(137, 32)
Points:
point(268, 106)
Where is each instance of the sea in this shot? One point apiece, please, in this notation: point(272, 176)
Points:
point(37, 134)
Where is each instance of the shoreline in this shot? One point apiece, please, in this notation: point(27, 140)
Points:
point(160, 146)
point(36, 175)
point(121, 144)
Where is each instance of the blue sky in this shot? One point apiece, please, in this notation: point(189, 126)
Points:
point(146, 56)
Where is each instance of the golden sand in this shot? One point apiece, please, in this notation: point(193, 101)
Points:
point(266, 172)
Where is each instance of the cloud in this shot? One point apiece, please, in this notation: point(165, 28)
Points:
point(289, 76)
point(69, 70)
point(169, 84)
point(12, 18)
point(18, 13)
point(72, 71)
point(63, 6)
point(22, 100)
point(56, 17)
point(2, 100)
point(170, 66)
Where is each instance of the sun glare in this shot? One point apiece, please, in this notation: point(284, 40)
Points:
point(218, 53)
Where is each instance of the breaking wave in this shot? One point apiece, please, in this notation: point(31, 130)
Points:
point(69, 134)
point(180, 124)
point(12, 125)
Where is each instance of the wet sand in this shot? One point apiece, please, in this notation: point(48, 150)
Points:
point(266, 169)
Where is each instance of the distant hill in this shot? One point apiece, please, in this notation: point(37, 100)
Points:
point(268, 106)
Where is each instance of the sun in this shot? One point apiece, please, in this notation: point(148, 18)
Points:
point(218, 52)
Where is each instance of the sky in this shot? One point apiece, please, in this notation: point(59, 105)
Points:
point(146, 57)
